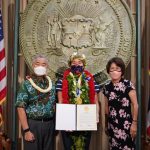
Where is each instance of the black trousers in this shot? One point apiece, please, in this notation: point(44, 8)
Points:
point(68, 141)
point(43, 133)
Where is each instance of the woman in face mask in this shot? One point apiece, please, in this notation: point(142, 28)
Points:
point(35, 105)
point(120, 95)
point(77, 87)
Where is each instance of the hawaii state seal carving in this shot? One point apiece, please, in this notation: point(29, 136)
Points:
point(100, 29)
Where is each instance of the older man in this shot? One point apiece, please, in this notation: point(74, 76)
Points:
point(35, 106)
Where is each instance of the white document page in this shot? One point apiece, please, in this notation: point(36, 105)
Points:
point(65, 117)
point(86, 117)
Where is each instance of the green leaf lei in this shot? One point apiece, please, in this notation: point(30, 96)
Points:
point(79, 143)
point(78, 140)
point(72, 88)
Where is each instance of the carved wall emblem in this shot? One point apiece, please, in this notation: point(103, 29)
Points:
point(100, 29)
point(77, 32)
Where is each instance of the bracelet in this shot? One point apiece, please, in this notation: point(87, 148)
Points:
point(26, 130)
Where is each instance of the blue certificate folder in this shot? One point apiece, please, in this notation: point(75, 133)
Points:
point(76, 117)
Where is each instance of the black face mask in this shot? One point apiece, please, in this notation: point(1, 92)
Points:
point(77, 69)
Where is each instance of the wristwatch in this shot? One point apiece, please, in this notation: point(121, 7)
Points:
point(26, 130)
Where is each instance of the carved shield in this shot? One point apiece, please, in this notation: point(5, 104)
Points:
point(77, 32)
point(100, 29)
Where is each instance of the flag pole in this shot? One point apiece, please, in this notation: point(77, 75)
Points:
point(138, 72)
point(15, 74)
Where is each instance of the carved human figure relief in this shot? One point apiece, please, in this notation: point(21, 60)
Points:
point(54, 32)
point(100, 35)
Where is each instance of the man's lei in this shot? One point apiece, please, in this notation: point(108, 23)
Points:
point(40, 89)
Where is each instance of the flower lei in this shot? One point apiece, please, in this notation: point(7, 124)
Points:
point(40, 89)
point(80, 92)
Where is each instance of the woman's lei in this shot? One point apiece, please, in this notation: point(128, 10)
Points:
point(78, 89)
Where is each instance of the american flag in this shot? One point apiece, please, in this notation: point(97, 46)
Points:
point(2, 67)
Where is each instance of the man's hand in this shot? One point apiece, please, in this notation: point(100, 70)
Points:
point(28, 136)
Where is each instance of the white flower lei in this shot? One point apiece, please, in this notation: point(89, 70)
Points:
point(40, 89)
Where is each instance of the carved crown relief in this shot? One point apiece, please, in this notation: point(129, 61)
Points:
point(100, 29)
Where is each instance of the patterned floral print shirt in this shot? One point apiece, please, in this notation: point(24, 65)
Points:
point(37, 105)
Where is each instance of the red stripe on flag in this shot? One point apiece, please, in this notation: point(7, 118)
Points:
point(148, 131)
point(3, 73)
point(3, 93)
point(2, 54)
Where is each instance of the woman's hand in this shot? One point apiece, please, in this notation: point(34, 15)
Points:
point(133, 130)
point(28, 136)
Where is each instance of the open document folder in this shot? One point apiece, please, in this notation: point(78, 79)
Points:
point(76, 117)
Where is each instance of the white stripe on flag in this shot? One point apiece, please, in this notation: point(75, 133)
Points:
point(2, 64)
point(3, 83)
point(1, 45)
